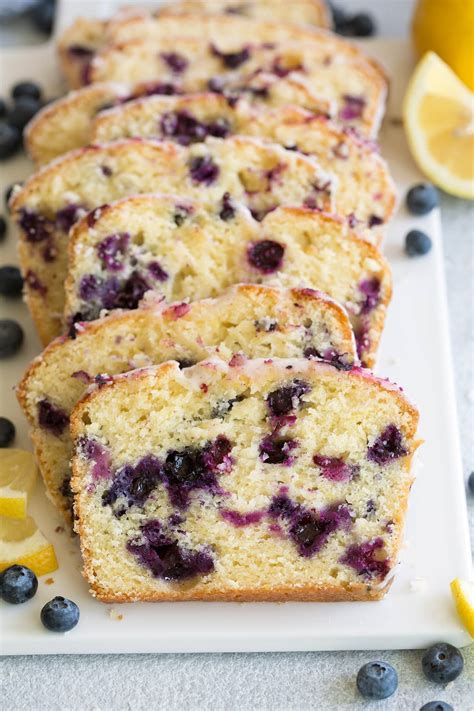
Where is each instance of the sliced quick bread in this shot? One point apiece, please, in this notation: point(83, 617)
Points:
point(182, 251)
point(259, 321)
point(45, 207)
point(253, 480)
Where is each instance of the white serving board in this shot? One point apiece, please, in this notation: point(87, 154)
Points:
point(415, 352)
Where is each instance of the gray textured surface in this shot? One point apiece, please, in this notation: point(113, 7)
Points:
point(276, 682)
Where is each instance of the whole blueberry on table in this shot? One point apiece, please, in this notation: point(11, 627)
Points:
point(8, 193)
point(60, 614)
point(11, 281)
point(23, 110)
point(422, 198)
point(3, 108)
point(339, 18)
point(377, 680)
point(442, 663)
point(361, 25)
point(437, 706)
point(7, 432)
point(42, 16)
point(26, 88)
point(11, 337)
point(417, 243)
point(10, 140)
point(18, 584)
point(3, 227)
point(470, 482)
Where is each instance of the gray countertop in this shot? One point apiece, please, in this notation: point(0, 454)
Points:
point(289, 682)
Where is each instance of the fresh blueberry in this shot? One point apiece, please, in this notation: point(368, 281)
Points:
point(3, 108)
point(361, 25)
point(377, 680)
point(3, 227)
point(26, 88)
point(42, 16)
point(437, 706)
point(18, 584)
point(11, 337)
point(339, 18)
point(442, 663)
point(11, 282)
point(7, 432)
point(10, 139)
point(60, 614)
point(470, 482)
point(422, 198)
point(417, 243)
point(23, 111)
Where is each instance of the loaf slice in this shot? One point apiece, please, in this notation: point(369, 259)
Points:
point(261, 175)
point(260, 321)
point(352, 89)
point(366, 193)
point(65, 124)
point(86, 36)
point(253, 480)
point(185, 252)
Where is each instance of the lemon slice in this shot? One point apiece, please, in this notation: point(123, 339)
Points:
point(22, 542)
point(17, 476)
point(463, 594)
point(438, 112)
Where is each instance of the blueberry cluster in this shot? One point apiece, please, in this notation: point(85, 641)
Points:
point(26, 101)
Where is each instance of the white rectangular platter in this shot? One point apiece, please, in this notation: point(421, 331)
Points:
point(418, 610)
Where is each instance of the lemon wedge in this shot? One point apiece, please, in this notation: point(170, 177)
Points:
point(22, 542)
point(463, 594)
point(17, 477)
point(438, 112)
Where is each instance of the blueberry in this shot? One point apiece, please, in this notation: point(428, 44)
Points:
point(437, 706)
point(18, 584)
point(11, 282)
point(417, 243)
point(377, 680)
point(10, 139)
point(26, 88)
point(23, 111)
point(339, 18)
point(42, 16)
point(7, 432)
point(8, 193)
point(470, 482)
point(422, 198)
point(442, 663)
point(361, 25)
point(11, 337)
point(3, 227)
point(3, 108)
point(60, 614)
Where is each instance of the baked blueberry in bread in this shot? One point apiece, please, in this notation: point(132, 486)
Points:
point(261, 175)
point(249, 480)
point(184, 252)
point(258, 321)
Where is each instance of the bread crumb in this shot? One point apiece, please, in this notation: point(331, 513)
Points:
point(114, 615)
point(59, 529)
point(49, 581)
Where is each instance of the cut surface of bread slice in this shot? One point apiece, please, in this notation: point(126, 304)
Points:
point(261, 175)
point(351, 90)
point(366, 193)
point(184, 252)
point(65, 124)
point(259, 321)
point(86, 36)
point(253, 480)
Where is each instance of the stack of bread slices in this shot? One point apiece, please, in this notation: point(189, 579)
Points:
point(201, 249)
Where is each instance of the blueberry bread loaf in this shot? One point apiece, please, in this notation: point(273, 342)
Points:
point(86, 37)
point(366, 193)
point(184, 252)
point(65, 124)
point(259, 321)
point(352, 91)
point(261, 175)
point(249, 480)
